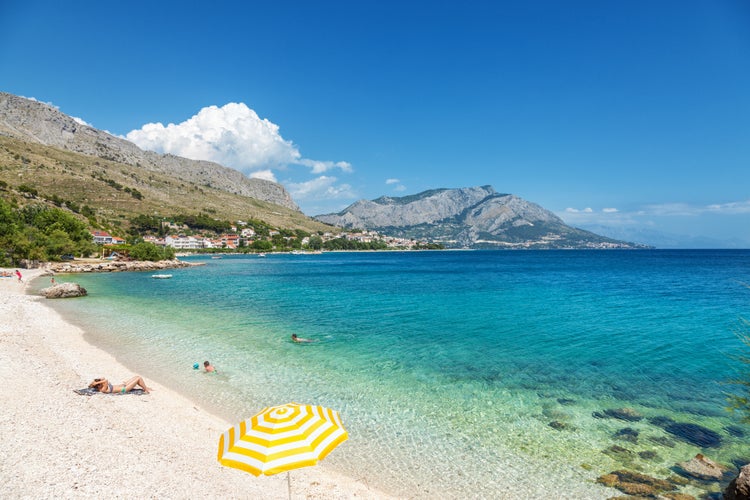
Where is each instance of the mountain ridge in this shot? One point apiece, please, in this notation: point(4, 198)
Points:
point(34, 121)
point(475, 217)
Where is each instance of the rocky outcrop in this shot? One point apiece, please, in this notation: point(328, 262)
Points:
point(118, 266)
point(476, 217)
point(63, 291)
point(428, 207)
point(35, 121)
point(739, 488)
point(701, 468)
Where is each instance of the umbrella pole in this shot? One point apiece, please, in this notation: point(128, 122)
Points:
point(289, 485)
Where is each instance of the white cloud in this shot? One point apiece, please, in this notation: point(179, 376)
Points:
point(737, 207)
point(605, 216)
point(43, 102)
point(323, 187)
point(688, 210)
point(319, 167)
point(232, 135)
point(642, 215)
point(266, 175)
point(672, 209)
point(80, 121)
point(398, 187)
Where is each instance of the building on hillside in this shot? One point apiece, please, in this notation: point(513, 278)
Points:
point(102, 237)
point(182, 242)
point(230, 240)
point(155, 241)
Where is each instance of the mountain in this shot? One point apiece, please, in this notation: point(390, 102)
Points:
point(37, 122)
point(476, 217)
point(50, 158)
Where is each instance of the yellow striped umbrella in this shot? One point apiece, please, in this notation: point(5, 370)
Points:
point(282, 438)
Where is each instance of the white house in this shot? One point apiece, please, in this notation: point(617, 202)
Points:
point(102, 237)
point(184, 242)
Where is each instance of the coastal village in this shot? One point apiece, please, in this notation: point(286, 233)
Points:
point(242, 236)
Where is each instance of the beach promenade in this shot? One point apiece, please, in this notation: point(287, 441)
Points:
point(57, 444)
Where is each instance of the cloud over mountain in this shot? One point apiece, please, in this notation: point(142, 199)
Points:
point(232, 135)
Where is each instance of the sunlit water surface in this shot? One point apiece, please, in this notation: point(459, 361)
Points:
point(457, 374)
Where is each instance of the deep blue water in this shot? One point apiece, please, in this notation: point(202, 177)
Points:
point(466, 355)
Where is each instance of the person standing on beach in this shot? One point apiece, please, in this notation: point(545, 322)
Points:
point(18, 273)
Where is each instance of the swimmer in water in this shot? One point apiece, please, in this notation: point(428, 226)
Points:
point(300, 340)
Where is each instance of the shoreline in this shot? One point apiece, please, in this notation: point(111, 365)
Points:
point(56, 443)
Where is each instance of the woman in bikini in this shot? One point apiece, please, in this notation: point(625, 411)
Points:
point(103, 385)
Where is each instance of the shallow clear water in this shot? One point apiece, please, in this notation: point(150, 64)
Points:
point(449, 367)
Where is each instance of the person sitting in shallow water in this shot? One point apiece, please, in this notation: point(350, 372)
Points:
point(300, 339)
point(103, 385)
point(209, 367)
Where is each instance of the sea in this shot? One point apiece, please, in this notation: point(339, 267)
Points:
point(458, 374)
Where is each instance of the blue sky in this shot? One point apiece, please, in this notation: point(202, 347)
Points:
point(632, 117)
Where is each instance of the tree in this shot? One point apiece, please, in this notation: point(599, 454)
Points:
point(145, 224)
point(59, 243)
point(149, 251)
point(262, 245)
point(315, 243)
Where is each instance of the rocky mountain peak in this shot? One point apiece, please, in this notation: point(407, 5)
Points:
point(34, 121)
point(473, 217)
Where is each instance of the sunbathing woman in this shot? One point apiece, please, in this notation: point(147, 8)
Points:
point(103, 385)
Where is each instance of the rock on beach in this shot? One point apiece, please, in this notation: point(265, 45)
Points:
point(63, 291)
point(739, 488)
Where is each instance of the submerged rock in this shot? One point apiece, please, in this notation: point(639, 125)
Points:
point(635, 483)
point(627, 414)
point(561, 426)
point(619, 453)
point(63, 291)
point(662, 441)
point(702, 468)
point(661, 421)
point(627, 434)
point(694, 434)
point(734, 430)
point(678, 496)
point(739, 488)
point(648, 455)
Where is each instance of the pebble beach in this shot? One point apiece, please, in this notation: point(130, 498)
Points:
point(55, 443)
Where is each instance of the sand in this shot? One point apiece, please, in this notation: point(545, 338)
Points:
point(55, 443)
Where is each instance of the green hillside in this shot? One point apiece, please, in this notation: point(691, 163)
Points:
point(109, 194)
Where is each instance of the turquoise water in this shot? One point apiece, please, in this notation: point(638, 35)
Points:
point(450, 367)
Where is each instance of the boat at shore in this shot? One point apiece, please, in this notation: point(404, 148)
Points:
point(161, 276)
